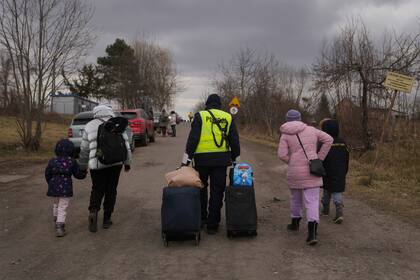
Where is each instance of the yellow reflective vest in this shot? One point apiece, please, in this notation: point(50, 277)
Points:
point(211, 138)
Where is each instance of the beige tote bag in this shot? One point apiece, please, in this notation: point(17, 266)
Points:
point(184, 177)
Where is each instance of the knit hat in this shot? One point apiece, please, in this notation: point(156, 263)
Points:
point(213, 101)
point(293, 115)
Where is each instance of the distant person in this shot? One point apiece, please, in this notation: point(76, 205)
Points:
point(151, 114)
point(304, 187)
point(59, 174)
point(336, 165)
point(190, 116)
point(213, 143)
point(105, 177)
point(173, 122)
point(163, 122)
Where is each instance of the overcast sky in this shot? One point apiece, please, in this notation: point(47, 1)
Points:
point(202, 33)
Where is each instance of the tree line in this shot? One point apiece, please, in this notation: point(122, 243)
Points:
point(42, 45)
point(350, 69)
point(142, 74)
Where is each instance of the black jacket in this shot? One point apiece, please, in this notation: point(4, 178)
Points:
point(212, 159)
point(336, 163)
point(336, 166)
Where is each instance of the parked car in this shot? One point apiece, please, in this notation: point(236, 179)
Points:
point(142, 125)
point(77, 126)
point(129, 132)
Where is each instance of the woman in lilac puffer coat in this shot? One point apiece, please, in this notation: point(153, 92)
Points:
point(304, 187)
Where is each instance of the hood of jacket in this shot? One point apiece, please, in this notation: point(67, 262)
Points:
point(103, 111)
point(292, 128)
point(331, 127)
point(64, 148)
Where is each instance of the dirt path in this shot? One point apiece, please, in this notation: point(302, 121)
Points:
point(369, 245)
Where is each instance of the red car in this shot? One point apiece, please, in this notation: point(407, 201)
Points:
point(141, 124)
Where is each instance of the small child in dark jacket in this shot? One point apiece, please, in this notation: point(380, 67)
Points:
point(59, 174)
point(336, 166)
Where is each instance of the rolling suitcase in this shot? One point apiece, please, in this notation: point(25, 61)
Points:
point(241, 210)
point(181, 214)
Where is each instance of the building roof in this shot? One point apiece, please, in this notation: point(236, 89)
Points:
point(74, 95)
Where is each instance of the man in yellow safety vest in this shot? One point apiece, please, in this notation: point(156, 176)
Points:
point(213, 144)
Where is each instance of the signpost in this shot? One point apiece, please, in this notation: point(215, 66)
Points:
point(396, 82)
point(399, 82)
point(234, 105)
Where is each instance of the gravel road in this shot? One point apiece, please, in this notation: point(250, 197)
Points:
point(369, 245)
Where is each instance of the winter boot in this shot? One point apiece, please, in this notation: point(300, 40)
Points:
point(107, 223)
point(60, 230)
point(294, 225)
point(338, 213)
point(312, 232)
point(211, 230)
point(93, 221)
point(325, 209)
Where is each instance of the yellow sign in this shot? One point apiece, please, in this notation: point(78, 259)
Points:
point(235, 102)
point(399, 82)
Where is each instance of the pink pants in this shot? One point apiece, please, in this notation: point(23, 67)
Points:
point(60, 208)
point(309, 197)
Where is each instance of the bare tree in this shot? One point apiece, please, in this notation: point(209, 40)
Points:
point(266, 88)
point(6, 93)
point(157, 73)
point(42, 38)
point(352, 58)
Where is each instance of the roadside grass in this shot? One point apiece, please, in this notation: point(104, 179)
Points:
point(10, 150)
point(395, 188)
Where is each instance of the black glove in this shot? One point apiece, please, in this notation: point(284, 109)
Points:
point(127, 167)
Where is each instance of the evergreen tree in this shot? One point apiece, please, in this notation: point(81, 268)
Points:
point(119, 73)
point(323, 110)
point(88, 84)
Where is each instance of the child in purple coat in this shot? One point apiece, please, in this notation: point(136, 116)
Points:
point(59, 174)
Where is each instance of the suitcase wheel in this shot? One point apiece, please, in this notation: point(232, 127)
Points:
point(197, 239)
point(165, 240)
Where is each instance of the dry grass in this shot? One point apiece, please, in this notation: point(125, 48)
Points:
point(395, 188)
point(396, 182)
point(9, 141)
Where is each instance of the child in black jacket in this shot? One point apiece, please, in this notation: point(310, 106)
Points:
point(336, 166)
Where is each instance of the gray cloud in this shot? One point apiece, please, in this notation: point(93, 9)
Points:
point(202, 33)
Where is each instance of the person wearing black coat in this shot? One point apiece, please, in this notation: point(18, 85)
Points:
point(336, 165)
point(211, 165)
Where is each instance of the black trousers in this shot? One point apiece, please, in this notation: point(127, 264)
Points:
point(173, 130)
point(210, 208)
point(104, 184)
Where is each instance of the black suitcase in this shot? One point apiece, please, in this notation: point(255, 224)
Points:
point(241, 211)
point(181, 214)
